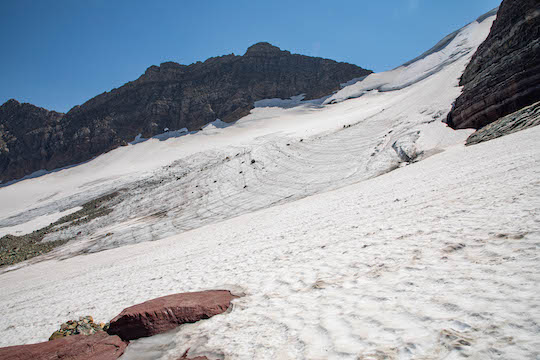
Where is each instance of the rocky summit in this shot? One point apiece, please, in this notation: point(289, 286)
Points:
point(171, 95)
point(504, 74)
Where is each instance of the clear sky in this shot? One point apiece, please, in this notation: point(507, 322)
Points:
point(60, 53)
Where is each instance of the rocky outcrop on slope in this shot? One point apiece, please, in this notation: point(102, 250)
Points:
point(99, 346)
point(85, 339)
point(85, 326)
point(14, 249)
point(165, 313)
point(520, 120)
point(504, 73)
point(170, 96)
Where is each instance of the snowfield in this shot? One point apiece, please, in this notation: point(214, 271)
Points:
point(357, 229)
point(438, 259)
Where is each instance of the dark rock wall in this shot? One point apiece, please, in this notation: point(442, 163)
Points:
point(28, 134)
point(504, 73)
point(170, 96)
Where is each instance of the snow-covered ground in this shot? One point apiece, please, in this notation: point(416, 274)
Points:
point(296, 207)
point(438, 259)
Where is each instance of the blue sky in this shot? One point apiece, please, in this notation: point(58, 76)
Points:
point(60, 53)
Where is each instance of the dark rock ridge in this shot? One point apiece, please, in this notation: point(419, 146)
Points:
point(504, 73)
point(168, 312)
point(100, 346)
point(170, 96)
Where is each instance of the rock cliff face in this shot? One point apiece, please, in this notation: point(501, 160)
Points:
point(28, 134)
point(504, 74)
point(170, 96)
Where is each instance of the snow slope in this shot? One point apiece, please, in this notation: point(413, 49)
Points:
point(452, 48)
point(336, 256)
point(174, 184)
point(435, 260)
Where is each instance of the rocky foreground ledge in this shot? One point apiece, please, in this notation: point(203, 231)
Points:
point(146, 319)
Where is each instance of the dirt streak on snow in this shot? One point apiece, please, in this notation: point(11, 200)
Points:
point(36, 223)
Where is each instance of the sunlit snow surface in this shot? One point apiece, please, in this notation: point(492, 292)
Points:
point(437, 259)
point(297, 151)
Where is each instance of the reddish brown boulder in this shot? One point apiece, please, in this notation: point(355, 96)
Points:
point(165, 313)
point(185, 357)
point(77, 347)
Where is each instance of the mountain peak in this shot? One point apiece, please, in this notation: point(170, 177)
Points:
point(11, 102)
point(263, 49)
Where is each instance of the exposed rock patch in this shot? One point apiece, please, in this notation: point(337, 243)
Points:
point(85, 326)
point(14, 249)
point(520, 120)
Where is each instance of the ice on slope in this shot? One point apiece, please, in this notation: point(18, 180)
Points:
point(434, 260)
point(209, 176)
point(449, 50)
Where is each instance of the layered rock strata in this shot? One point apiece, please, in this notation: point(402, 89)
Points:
point(520, 120)
point(504, 73)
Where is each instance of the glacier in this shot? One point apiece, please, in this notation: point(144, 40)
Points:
point(355, 227)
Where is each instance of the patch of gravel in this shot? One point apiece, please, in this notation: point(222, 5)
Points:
point(14, 249)
point(85, 326)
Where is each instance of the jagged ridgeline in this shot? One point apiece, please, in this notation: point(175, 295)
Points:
point(170, 96)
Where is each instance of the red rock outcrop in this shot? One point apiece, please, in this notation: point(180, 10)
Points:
point(77, 347)
point(504, 73)
point(165, 313)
